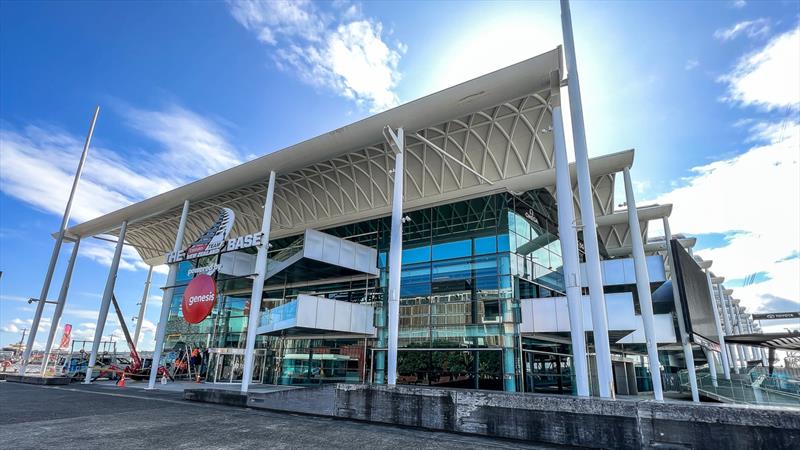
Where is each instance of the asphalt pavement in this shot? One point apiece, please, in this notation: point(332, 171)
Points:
point(106, 417)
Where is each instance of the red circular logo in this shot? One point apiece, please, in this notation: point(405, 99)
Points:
point(199, 299)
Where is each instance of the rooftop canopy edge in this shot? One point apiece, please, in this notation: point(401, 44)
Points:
point(324, 182)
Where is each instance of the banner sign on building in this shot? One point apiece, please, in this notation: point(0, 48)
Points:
point(778, 315)
point(215, 240)
point(199, 299)
point(66, 336)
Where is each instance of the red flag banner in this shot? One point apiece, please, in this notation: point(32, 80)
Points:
point(66, 336)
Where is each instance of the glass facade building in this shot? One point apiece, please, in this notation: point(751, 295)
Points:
point(466, 265)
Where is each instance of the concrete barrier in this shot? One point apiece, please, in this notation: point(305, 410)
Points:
point(36, 379)
point(552, 419)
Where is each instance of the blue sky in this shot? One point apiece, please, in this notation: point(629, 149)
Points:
point(706, 92)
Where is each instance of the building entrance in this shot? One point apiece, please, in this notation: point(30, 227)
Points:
point(226, 365)
point(548, 373)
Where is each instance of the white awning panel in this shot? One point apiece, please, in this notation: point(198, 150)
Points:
point(314, 316)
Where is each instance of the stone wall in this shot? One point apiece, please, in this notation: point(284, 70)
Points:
point(564, 420)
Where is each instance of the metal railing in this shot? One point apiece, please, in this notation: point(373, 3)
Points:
point(758, 391)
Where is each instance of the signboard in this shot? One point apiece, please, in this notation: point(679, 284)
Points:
point(695, 298)
point(779, 315)
point(199, 299)
point(215, 240)
point(66, 336)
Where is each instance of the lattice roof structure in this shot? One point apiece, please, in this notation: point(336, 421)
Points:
point(497, 126)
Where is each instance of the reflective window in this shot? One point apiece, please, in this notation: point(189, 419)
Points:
point(416, 255)
point(450, 250)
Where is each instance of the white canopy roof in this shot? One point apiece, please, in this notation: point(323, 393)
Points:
point(497, 125)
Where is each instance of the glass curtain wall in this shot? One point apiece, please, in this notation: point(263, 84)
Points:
point(465, 267)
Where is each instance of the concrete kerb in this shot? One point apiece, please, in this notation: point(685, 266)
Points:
point(562, 420)
point(36, 379)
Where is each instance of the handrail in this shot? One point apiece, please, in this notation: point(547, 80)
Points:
point(750, 393)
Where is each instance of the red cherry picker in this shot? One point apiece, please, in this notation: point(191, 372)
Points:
point(135, 369)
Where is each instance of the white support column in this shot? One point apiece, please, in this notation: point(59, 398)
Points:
point(712, 365)
point(48, 278)
point(726, 367)
point(106, 302)
point(593, 271)
point(728, 327)
point(740, 348)
point(167, 299)
point(62, 299)
point(568, 237)
point(258, 285)
point(142, 306)
point(397, 143)
point(688, 353)
point(748, 351)
point(643, 286)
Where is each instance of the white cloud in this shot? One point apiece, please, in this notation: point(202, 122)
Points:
point(102, 252)
point(691, 64)
point(9, 328)
point(768, 78)
point(13, 298)
point(194, 146)
point(44, 162)
point(738, 4)
point(755, 198)
point(750, 28)
point(155, 300)
point(345, 54)
point(44, 159)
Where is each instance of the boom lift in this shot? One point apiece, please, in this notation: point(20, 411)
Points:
point(136, 369)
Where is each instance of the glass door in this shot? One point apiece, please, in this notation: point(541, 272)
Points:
point(548, 373)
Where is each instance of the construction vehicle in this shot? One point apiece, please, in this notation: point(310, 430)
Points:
point(135, 369)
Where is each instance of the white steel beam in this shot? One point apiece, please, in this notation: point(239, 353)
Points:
point(142, 306)
point(258, 285)
point(62, 300)
point(568, 238)
point(723, 351)
point(167, 300)
point(397, 143)
point(643, 287)
point(728, 327)
point(37, 316)
point(452, 158)
point(106, 302)
point(712, 365)
point(593, 273)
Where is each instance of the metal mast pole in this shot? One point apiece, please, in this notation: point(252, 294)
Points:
point(593, 271)
point(258, 285)
point(569, 241)
point(143, 306)
point(62, 300)
point(57, 247)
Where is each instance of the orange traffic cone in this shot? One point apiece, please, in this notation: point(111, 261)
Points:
point(121, 382)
